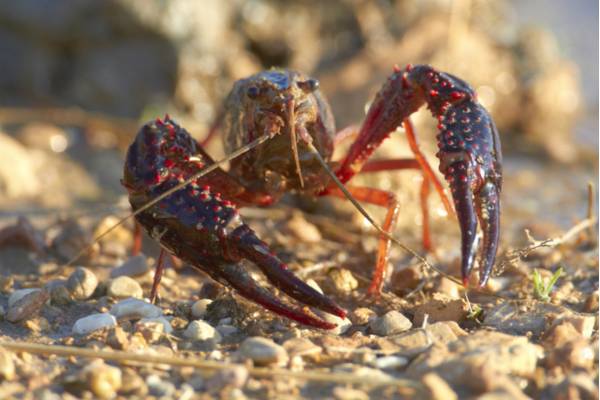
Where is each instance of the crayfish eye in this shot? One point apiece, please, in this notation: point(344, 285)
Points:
point(309, 85)
point(252, 92)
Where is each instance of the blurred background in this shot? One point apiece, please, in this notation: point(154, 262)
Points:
point(78, 77)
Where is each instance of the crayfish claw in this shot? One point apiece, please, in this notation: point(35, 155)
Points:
point(278, 273)
point(460, 184)
point(235, 275)
point(488, 210)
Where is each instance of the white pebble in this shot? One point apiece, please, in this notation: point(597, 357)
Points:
point(390, 324)
point(82, 283)
point(124, 287)
point(199, 308)
point(202, 331)
point(167, 328)
point(93, 322)
point(135, 308)
point(263, 351)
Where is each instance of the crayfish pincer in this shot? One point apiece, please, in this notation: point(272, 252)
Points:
point(199, 225)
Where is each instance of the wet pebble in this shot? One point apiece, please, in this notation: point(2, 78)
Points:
point(202, 331)
point(135, 308)
point(82, 283)
point(263, 351)
point(159, 387)
point(124, 287)
point(93, 322)
point(199, 308)
point(28, 305)
point(134, 266)
point(104, 380)
point(391, 323)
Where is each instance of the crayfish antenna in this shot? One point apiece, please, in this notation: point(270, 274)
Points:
point(294, 140)
point(365, 214)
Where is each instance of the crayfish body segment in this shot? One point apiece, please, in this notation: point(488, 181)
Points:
point(200, 223)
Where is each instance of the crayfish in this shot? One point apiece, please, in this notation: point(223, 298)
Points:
point(281, 130)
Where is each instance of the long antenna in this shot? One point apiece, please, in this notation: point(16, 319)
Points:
point(174, 189)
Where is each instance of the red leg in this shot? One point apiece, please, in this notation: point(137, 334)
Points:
point(160, 267)
point(137, 239)
point(427, 170)
point(383, 199)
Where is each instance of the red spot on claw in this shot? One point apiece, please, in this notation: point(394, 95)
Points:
point(397, 68)
point(457, 95)
point(409, 67)
point(169, 163)
point(433, 93)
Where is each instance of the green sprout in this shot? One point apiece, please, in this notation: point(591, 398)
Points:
point(542, 289)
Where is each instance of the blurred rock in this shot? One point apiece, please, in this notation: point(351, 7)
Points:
point(199, 308)
point(391, 323)
point(82, 283)
point(134, 266)
point(27, 305)
point(263, 351)
point(135, 309)
point(18, 177)
point(202, 331)
point(93, 322)
point(124, 287)
point(441, 308)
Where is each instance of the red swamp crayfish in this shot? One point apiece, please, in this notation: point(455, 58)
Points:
point(184, 200)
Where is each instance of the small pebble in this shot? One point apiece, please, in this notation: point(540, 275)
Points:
point(134, 266)
point(301, 347)
point(135, 308)
point(60, 296)
point(342, 325)
point(124, 287)
point(235, 377)
point(390, 362)
point(168, 329)
point(28, 305)
point(152, 331)
point(390, 324)
point(7, 365)
point(362, 316)
point(343, 280)
point(202, 331)
point(227, 330)
point(199, 308)
point(263, 351)
point(82, 283)
point(93, 322)
point(159, 387)
point(104, 380)
point(19, 294)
